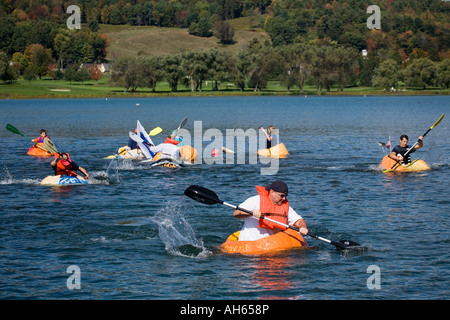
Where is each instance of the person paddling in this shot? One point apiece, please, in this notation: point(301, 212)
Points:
point(272, 139)
point(168, 149)
point(398, 153)
point(132, 144)
point(42, 136)
point(64, 166)
point(271, 202)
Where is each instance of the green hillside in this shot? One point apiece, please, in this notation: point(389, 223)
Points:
point(127, 41)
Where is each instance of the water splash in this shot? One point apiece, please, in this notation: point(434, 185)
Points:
point(8, 178)
point(109, 176)
point(177, 234)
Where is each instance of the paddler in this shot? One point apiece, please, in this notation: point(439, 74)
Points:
point(131, 143)
point(272, 139)
point(63, 166)
point(398, 153)
point(272, 202)
point(168, 149)
point(42, 136)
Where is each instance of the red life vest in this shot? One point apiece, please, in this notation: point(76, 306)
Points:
point(174, 142)
point(64, 167)
point(272, 211)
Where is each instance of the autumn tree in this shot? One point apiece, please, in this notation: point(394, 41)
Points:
point(95, 72)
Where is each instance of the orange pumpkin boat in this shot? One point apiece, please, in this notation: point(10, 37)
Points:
point(278, 151)
point(285, 240)
point(388, 163)
point(39, 152)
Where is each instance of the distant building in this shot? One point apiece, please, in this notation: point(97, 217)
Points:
point(102, 67)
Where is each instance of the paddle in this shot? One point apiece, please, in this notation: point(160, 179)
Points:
point(13, 129)
point(50, 146)
point(155, 131)
point(138, 139)
point(397, 162)
point(207, 196)
point(183, 122)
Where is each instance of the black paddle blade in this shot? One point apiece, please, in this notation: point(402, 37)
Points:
point(202, 195)
point(183, 122)
point(350, 245)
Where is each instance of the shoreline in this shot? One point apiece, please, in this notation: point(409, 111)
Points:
point(67, 95)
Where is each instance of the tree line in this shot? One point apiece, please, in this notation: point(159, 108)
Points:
point(323, 66)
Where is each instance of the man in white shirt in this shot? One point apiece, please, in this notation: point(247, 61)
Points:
point(168, 149)
point(274, 203)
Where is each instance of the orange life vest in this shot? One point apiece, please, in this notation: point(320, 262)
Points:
point(272, 211)
point(64, 167)
point(174, 142)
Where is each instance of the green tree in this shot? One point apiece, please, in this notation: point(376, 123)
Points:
point(195, 68)
point(281, 31)
point(323, 66)
point(221, 66)
point(367, 67)
point(87, 54)
point(173, 71)
point(7, 74)
point(296, 66)
point(70, 73)
point(444, 73)
point(40, 61)
point(224, 32)
point(83, 75)
point(7, 25)
point(386, 75)
point(202, 28)
point(29, 74)
point(125, 73)
point(150, 72)
point(20, 62)
point(420, 73)
point(264, 68)
point(346, 65)
point(244, 65)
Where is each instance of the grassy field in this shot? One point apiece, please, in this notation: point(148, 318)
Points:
point(128, 40)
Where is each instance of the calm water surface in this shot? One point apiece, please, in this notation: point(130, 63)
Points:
point(134, 235)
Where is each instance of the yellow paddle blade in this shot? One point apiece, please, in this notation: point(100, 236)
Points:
point(113, 156)
point(155, 131)
point(437, 122)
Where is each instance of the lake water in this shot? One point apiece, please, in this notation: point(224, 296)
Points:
point(132, 233)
